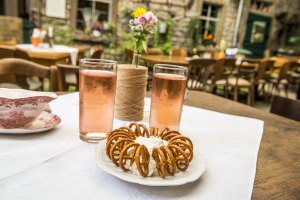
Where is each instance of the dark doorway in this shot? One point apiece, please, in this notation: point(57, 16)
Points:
point(2, 7)
point(257, 34)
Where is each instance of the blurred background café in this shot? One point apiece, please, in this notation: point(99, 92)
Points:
point(244, 50)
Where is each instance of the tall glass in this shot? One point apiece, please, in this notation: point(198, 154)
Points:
point(168, 89)
point(97, 90)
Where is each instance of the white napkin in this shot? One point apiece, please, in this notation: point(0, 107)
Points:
point(228, 143)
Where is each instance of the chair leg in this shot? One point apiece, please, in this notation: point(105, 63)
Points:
point(286, 88)
point(225, 91)
point(236, 93)
point(251, 96)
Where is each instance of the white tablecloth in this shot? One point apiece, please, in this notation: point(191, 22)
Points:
point(57, 165)
point(56, 49)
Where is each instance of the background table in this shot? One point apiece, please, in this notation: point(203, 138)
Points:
point(174, 60)
point(51, 58)
point(278, 167)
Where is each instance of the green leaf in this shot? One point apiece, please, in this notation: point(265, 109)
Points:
point(144, 44)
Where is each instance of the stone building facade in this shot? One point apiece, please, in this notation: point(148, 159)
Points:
point(180, 12)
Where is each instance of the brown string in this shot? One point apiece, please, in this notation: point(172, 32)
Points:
point(131, 91)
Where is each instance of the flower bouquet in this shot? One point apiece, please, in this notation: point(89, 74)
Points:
point(143, 25)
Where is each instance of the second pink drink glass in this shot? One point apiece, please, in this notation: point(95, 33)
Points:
point(168, 89)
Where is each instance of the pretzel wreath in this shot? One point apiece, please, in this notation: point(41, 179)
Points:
point(124, 152)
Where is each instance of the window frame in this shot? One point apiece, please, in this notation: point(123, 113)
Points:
point(208, 18)
point(109, 2)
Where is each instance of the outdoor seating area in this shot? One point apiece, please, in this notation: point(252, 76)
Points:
point(187, 99)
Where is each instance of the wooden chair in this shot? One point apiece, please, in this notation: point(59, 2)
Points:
point(286, 107)
point(20, 69)
point(67, 75)
point(154, 51)
point(96, 52)
point(199, 72)
point(280, 81)
point(179, 52)
point(22, 54)
point(128, 55)
point(223, 69)
point(6, 53)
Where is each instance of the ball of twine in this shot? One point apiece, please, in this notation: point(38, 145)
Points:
point(131, 91)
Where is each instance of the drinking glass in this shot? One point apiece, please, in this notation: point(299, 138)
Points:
point(97, 90)
point(168, 89)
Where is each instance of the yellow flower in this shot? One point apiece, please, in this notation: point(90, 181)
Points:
point(138, 12)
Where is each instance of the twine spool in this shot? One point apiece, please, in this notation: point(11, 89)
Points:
point(131, 91)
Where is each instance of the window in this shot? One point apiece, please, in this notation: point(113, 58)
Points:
point(209, 19)
point(92, 13)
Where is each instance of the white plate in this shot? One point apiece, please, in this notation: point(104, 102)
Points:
point(44, 122)
point(195, 170)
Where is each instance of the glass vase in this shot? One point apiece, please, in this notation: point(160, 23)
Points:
point(136, 59)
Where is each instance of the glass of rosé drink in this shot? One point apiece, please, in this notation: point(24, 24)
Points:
point(168, 89)
point(97, 90)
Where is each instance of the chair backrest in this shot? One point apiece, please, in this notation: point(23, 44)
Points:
point(62, 70)
point(22, 69)
point(223, 68)
point(262, 68)
point(22, 54)
point(179, 52)
point(96, 52)
point(269, 65)
point(128, 55)
point(154, 51)
point(286, 107)
point(6, 53)
point(283, 72)
point(199, 72)
point(293, 65)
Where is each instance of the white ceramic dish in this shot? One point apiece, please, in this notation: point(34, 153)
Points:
point(195, 170)
point(44, 122)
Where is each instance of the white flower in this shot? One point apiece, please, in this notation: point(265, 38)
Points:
point(131, 21)
point(139, 27)
point(132, 28)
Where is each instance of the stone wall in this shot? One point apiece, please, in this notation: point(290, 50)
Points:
point(292, 10)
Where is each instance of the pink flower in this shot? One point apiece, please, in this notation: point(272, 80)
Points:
point(148, 15)
point(136, 21)
point(154, 19)
point(142, 19)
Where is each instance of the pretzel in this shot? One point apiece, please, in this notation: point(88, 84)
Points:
point(181, 159)
point(154, 131)
point(128, 154)
point(142, 159)
point(139, 129)
point(116, 136)
point(160, 160)
point(167, 135)
point(116, 149)
point(170, 160)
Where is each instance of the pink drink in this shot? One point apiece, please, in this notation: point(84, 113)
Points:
point(97, 101)
point(167, 99)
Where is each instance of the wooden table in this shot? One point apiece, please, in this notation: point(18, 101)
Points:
point(48, 59)
point(179, 60)
point(51, 58)
point(278, 166)
point(163, 59)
